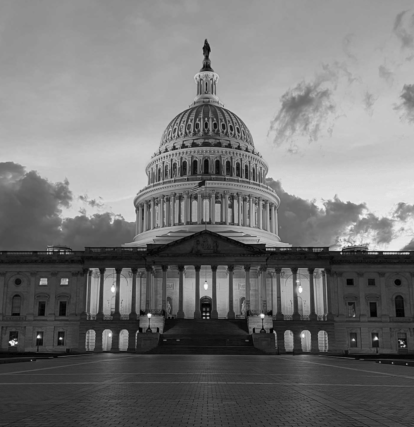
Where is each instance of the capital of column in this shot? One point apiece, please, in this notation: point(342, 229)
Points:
point(382, 274)
point(214, 268)
point(311, 270)
point(55, 273)
point(134, 270)
point(247, 268)
point(230, 268)
point(197, 267)
point(102, 271)
point(359, 274)
point(181, 267)
point(118, 270)
point(148, 268)
point(263, 268)
point(278, 270)
point(294, 270)
point(164, 267)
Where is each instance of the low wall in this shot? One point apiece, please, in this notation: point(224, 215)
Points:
point(146, 342)
point(265, 342)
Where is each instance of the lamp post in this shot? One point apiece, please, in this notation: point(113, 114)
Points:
point(262, 316)
point(38, 341)
point(149, 315)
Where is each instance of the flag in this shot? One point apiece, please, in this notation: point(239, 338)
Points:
point(197, 187)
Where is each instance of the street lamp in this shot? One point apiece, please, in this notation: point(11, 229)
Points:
point(149, 315)
point(38, 341)
point(262, 331)
point(205, 285)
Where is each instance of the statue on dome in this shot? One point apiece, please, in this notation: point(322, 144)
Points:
point(206, 49)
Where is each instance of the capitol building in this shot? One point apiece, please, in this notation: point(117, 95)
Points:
point(206, 272)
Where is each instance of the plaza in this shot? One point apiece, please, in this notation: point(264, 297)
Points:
point(153, 390)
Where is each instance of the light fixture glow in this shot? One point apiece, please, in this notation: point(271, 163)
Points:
point(110, 335)
point(149, 315)
point(205, 285)
point(113, 289)
point(302, 335)
point(300, 289)
point(262, 315)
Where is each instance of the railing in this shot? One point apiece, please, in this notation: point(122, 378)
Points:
point(14, 318)
point(114, 249)
point(288, 317)
point(107, 317)
point(299, 249)
point(304, 317)
point(91, 317)
point(43, 253)
point(386, 253)
point(321, 317)
point(124, 316)
point(154, 311)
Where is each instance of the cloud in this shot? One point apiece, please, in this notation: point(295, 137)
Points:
point(31, 215)
point(347, 43)
point(93, 203)
point(404, 211)
point(386, 74)
point(409, 246)
point(406, 106)
point(369, 101)
point(303, 223)
point(404, 29)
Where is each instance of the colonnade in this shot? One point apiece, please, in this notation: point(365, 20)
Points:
point(212, 207)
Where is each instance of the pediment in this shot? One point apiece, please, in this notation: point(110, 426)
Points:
point(206, 243)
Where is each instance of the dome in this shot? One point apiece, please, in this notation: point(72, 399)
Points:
point(211, 121)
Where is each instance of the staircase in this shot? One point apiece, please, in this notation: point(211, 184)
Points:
point(213, 336)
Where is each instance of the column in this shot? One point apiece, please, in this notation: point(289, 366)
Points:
point(385, 317)
point(98, 341)
point(153, 213)
point(139, 293)
point(214, 313)
point(197, 312)
point(296, 315)
point(88, 296)
point(267, 221)
point(247, 279)
point(362, 304)
point(226, 207)
point(212, 208)
point(275, 222)
point(312, 315)
point(199, 208)
point(117, 314)
point(133, 313)
point(173, 208)
point(329, 294)
point(223, 215)
point(263, 302)
point(239, 207)
point(325, 310)
point(259, 213)
point(32, 310)
point(279, 314)
point(272, 292)
point(85, 285)
point(167, 211)
point(180, 313)
point(245, 211)
point(145, 225)
point(251, 211)
point(185, 207)
point(231, 314)
point(101, 293)
point(136, 221)
point(161, 211)
point(164, 289)
point(51, 307)
point(148, 268)
point(339, 296)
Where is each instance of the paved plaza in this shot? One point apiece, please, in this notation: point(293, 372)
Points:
point(161, 390)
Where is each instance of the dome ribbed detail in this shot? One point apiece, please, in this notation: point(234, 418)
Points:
point(206, 121)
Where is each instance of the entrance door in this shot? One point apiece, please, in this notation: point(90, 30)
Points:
point(205, 308)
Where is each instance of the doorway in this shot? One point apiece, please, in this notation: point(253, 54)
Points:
point(205, 308)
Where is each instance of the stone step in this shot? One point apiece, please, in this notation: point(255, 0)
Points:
point(206, 340)
point(223, 350)
point(205, 327)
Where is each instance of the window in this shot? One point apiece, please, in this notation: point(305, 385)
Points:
point(371, 282)
point(217, 167)
point(246, 172)
point(64, 281)
point(351, 309)
point(39, 338)
point(402, 340)
point(184, 168)
point(353, 340)
point(13, 338)
point(373, 309)
point(16, 305)
point(18, 281)
point(195, 167)
point(62, 308)
point(61, 339)
point(223, 127)
point(228, 168)
point(399, 306)
point(350, 282)
point(174, 170)
point(43, 281)
point(238, 169)
point(41, 308)
point(374, 340)
point(206, 166)
point(397, 282)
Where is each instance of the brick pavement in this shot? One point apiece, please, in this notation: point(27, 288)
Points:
point(172, 390)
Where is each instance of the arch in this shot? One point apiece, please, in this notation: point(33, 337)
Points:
point(106, 340)
point(305, 341)
point(217, 168)
point(288, 339)
point(323, 341)
point(246, 172)
point(206, 166)
point(123, 340)
point(195, 167)
point(90, 339)
point(16, 305)
point(399, 306)
point(184, 168)
point(238, 171)
point(228, 168)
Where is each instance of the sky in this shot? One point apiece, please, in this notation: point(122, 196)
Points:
point(88, 87)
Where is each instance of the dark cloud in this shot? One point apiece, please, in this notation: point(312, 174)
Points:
point(31, 215)
point(303, 223)
point(404, 211)
point(386, 74)
point(409, 246)
point(406, 105)
point(404, 29)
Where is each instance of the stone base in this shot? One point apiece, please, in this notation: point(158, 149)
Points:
point(265, 342)
point(146, 342)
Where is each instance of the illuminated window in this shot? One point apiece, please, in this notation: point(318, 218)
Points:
point(351, 309)
point(64, 281)
point(43, 281)
point(39, 338)
point(375, 340)
point(13, 338)
point(61, 339)
point(353, 340)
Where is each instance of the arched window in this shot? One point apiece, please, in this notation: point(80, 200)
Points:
point(254, 175)
point(159, 175)
point(206, 166)
point(238, 169)
point(246, 172)
point(166, 172)
point(174, 170)
point(228, 168)
point(217, 167)
point(184, 168)
point(399, 306)
point(195, 167)
point(152, 176)
point(16, 305)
